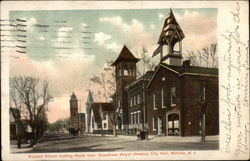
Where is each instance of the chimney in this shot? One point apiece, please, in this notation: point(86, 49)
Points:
point(186, 63)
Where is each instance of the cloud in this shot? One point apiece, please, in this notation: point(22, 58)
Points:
point(112, 46)
point(199, 29)
point(101, 37)
point(194, 23)
point(63, 73)
point(42, 38)
point(160, 16)
point(102, 40)
point(134, 33)
point(152, 26)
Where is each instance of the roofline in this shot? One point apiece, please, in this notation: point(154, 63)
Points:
point(153, 76)
point(185, 73)
point(206, 75)
point(169, 69)
point(135, 82)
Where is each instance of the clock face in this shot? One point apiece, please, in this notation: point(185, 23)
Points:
point(163, 78)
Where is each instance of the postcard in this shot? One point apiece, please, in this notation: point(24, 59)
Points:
point(127, 80)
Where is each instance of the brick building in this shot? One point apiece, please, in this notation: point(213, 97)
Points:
point(180, 99)
point(136, 102)
point(125, 71)
point(73, 112)
point(179, 96)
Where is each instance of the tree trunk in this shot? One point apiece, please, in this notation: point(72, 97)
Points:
point(114, 130)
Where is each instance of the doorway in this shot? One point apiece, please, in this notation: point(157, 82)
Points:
point(160, 126)
point(173, 124)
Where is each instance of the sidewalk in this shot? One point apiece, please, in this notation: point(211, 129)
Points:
point(158, 138)
point(15, 149)
point(185, 139)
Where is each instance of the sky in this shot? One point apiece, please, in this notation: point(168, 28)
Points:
point(68, 47)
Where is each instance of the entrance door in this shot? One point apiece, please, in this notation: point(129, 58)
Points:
point(173, 124)
point(160, 126)
point(119, 120)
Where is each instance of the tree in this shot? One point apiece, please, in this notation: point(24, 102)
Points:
point(32, 98)
point(59, 124)
point(207, 56)
point(106, 82)
point(146, 61)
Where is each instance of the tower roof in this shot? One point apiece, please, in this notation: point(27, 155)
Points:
point(73, 96)
point(125, 54)
point(90, 97)
point(171, 30)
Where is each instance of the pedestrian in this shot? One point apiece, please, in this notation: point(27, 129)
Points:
point(138, 134)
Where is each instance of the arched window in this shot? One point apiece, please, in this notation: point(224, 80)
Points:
point(125, 70)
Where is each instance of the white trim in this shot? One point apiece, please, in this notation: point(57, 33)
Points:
point(162, 98)
point(171, 101)
point(154, 102)
point(205, 75)
point(156, 71)
point(169, 69)
point(154, 129)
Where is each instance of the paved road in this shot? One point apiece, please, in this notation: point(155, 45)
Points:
point(121, 143)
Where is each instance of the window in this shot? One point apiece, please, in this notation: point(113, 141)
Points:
point(120, 72)
point(104, 116)
point(154, 103)
point(173, 96)
point(131, 101)
point(155, 123)
point(170, 124)
point(132, 118)
point(105, 125)
point(176, 123)
point(138, 99)
point(125, 70)
point(134, 100)
point(163, 99)
point(202, 94)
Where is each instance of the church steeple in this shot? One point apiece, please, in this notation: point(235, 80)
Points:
point(171, 34)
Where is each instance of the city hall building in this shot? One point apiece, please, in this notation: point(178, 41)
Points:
point(174, 99)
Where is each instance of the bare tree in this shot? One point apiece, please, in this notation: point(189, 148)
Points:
point(146, 61)
point(28, 96)
point(106, 82)
point(207, 56)
point(213, 55)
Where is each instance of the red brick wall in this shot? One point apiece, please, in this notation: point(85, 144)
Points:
point(187, 93)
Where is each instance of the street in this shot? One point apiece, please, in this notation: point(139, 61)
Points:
point(97, 143)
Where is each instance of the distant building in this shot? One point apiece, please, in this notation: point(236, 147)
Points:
point(73, 112)
point(100, 118)
point(88, 111)
point(81, 122)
